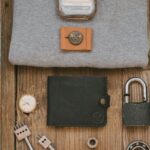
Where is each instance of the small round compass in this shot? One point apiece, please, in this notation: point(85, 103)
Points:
point(27, 104)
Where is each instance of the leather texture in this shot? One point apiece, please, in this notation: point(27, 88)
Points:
point(86, 44)
point(136, 114)
point(75, 101)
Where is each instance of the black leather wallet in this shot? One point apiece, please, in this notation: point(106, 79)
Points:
point(77, 101)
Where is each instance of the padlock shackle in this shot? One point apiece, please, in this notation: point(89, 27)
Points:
point(127, 85)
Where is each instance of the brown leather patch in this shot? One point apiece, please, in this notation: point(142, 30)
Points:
point(76, 39)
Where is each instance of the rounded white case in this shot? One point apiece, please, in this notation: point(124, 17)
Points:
point(77, 9)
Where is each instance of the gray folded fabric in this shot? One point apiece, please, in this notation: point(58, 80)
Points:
point(120, 35)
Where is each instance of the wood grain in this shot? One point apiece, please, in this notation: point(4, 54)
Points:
point(0, 109)
point(7, 81)
point(17, 81)
point(69, 138)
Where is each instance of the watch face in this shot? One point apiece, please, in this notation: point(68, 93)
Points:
point(77, 9)
point(27, 104)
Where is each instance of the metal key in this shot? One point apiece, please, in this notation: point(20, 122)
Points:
point(22, 132)
point(45, 142)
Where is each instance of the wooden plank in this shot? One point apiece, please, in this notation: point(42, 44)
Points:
point(33, 81)
point(0, 87)
point(8, 81)
point(0, 107)
point(111, 136)
point(135, 133)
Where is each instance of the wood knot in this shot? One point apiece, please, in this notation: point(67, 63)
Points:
point(6, 4)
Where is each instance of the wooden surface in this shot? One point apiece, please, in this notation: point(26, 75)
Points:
point(17, 81)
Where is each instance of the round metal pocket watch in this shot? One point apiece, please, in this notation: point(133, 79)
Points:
point(27, 104)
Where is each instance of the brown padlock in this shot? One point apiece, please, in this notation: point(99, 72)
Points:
point(76, 39)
